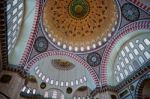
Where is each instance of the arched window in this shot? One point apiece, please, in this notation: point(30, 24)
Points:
point(15, 9)
point(133, 55)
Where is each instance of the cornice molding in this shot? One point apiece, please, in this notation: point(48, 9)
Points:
point(132, 78)
point(3, 33)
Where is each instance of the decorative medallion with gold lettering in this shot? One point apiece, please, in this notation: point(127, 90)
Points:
point(79, 9)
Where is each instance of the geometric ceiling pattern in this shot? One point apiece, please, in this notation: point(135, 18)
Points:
point(92, 32)
point(130, 12)
point(80, 25)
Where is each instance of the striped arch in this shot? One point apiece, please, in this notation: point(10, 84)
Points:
point(128, 29)
point(62, 53)
point(33, 33)
point(140, 86)
point(141, 5)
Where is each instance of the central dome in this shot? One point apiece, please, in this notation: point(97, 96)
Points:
point(79, 25)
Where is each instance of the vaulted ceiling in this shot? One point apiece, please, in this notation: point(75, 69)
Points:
point(78, 42)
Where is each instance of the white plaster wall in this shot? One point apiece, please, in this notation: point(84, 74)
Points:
point(29, 12)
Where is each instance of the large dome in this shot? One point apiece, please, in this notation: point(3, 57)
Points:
point(79, 25)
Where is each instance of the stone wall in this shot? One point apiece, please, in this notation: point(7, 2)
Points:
point(12, 89)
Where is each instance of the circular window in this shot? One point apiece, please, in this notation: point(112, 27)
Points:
point(69, 90)
point(43, 85)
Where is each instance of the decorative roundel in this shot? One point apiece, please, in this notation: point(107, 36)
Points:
point(94, 59)
point(43, 85)
point(130, 12)
point(78, 9)
point(80, 25)
point(41, 44)
point(69, 90)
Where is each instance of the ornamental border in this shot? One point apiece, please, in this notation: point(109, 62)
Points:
point(140, 86)
point(142, 24)
point(33, 34)
point(140, 5)
point(71, 55)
